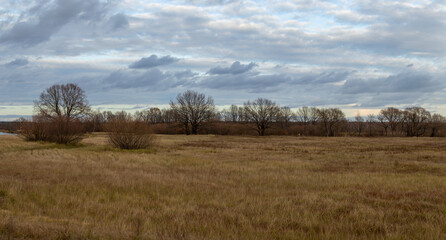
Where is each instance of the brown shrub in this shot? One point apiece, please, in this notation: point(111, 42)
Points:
point(126, 133)
point(66, 132)
point(34, 129)
point(52, 130)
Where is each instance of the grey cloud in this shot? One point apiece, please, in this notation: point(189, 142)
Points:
point(153, 61)
point(118, 21)
point(246, 81)
point(235, 68)
point(386, 99)
point(404, 82)
point(398, 28)
point(253, 81)
point(185, 74)
point(153, 78)
point(50, 18)
point(324, 77)
point(211, 2)
point(18, 62)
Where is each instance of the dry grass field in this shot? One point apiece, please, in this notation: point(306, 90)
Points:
point(225, 187)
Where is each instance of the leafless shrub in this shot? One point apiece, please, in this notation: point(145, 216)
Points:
point(126, 133)
point(61, 131)
point(35, 129)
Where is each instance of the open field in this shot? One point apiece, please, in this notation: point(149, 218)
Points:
point(225, 187)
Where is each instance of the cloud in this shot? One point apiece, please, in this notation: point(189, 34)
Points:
point(390, 99)
point(211, 2)
point(235, 68)
point(323, 77)
point(153, 61)
point(251, 82)
point(154, 78)
point(47, 19)
point(18, 62)
point(404, 82)
point(273, 82)
point(118, 21)
point(396, 28)
point(331, 52)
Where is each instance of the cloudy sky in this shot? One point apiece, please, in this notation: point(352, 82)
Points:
point(358, 55)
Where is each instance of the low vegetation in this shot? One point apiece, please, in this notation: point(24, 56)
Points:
point(63, 116)
point(124, 132)
point(224, 187)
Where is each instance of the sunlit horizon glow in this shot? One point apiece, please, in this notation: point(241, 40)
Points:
point(360, 56)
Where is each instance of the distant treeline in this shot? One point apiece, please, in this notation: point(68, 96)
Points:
point(63, 109)
point(306, 121)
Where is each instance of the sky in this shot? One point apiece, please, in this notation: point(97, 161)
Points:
point(360, 56)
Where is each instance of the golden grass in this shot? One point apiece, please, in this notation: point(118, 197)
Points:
point(225, 187)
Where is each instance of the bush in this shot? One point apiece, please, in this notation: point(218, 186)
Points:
point(35, 129)
point(126, 133)
point(66, 132)
point(51, 130)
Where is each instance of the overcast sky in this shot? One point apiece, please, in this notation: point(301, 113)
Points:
point(133, 54)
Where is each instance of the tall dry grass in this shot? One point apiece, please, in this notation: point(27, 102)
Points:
point(220, 187)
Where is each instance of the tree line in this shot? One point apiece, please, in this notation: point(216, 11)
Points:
point(63, 115)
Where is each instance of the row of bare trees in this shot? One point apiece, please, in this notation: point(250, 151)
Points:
point(62, 115)
point(413, 121)
point(193, 113)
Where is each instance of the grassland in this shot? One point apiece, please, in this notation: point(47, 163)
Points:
point(221, 187)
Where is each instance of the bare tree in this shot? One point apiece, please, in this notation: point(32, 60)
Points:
point(242, 114)
point(66, 101)
point(331, 120)
point(192, 109)
point(262, 112)
point(359, 124)
point(371, 120)
point(307, 115)
point(151, 116)
point(64, 106)
point(168, 116)
point(415, 121)
point(390, 118)
point(233, 113)
point(97, 120)
point(436, 123)
point(285, 116)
